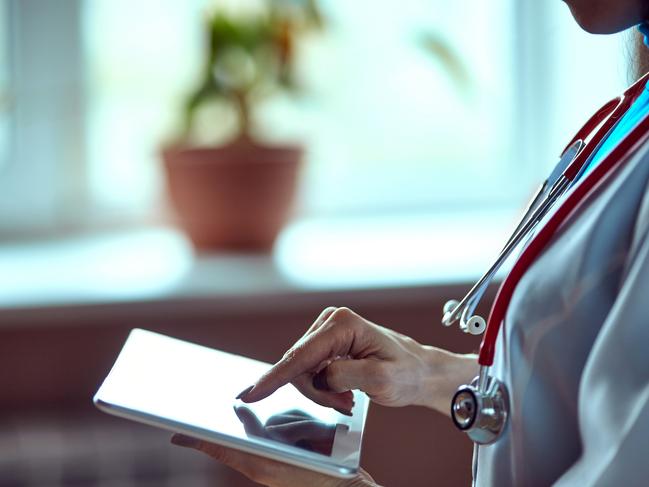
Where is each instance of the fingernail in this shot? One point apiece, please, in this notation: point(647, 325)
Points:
point(184, 440)
point(344, 411)
point(320, 380)
point(244, 392)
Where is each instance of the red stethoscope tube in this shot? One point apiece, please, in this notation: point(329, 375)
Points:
point(605, 119)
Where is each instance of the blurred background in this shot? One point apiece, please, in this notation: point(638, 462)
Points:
point(221, 170)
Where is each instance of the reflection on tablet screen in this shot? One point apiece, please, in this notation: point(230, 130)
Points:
point(192, 389)
point(292, 427)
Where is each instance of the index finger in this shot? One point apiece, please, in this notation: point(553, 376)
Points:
point(305, 356)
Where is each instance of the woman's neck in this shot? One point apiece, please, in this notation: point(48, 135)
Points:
point(639, 56)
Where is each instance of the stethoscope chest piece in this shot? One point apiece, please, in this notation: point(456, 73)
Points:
point(481, 412)
point(480, 409)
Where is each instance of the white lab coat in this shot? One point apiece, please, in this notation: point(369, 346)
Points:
point(574, 351)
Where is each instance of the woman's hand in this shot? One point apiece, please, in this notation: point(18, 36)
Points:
point(339, 353)
point(342, 351)
point(268, 472)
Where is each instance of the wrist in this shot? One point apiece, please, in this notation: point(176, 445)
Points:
point(445, 372)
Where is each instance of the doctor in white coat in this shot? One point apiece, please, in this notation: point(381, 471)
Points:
point(574, 353)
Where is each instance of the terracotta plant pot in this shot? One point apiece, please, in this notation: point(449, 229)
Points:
point(236, 197)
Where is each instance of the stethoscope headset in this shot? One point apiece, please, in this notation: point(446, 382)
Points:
point(481, 408)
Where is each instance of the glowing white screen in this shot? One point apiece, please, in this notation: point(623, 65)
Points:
point(171, 383)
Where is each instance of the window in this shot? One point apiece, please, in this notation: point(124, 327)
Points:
point(139, 68)
point(390, 126)
point(42, 184)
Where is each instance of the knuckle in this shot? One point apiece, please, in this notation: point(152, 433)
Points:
point(342, 314)
point(344, 319)
point(289, 354)
point(323, 317)
point(329, 310)
point(343, 325)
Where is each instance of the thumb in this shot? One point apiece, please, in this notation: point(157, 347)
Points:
point(349, 374)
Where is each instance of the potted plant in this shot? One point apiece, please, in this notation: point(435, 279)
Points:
point(238, 195)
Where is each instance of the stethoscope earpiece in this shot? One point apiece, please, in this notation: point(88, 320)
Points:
point(449, 307)
point(476, 325)
point(480, 409)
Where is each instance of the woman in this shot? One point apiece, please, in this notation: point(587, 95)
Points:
point(573, 352)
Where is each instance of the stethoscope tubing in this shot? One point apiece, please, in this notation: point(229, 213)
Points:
point(533, 215)
point(614, 110)
point(481, 408)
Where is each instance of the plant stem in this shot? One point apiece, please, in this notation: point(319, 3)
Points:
point(243, 109)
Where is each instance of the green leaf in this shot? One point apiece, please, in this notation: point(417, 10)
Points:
point(268, 41)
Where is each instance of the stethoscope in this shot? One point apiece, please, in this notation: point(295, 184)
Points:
point(481, 408)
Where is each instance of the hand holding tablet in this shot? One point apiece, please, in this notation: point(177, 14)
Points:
point(191, 389)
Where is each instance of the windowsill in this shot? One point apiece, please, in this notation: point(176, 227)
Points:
point(312, 256)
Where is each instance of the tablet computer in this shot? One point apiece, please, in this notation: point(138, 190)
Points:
point(191, 389)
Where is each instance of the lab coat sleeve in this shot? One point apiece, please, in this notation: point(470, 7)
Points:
point(614, 389)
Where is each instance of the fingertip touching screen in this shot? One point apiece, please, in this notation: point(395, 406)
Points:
point(192, 389)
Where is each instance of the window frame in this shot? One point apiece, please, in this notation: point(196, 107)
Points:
point(59, 159)
point(44, 43)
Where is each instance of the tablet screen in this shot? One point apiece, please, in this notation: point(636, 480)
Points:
point(292, 427)
point(189, 388)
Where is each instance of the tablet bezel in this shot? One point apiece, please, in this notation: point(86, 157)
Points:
point(329, 465)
